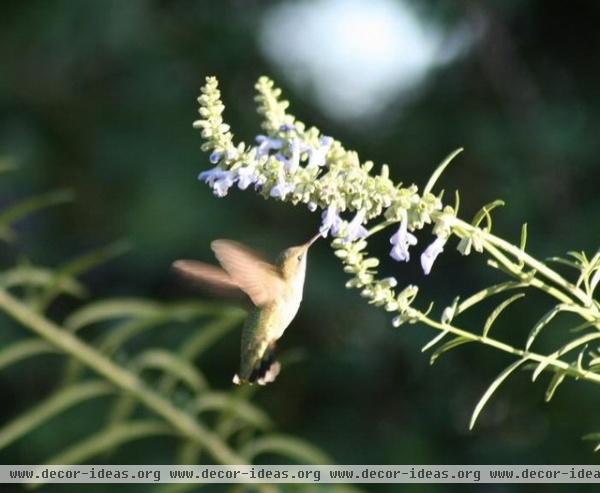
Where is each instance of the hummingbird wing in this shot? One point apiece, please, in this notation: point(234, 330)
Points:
point(259, 279)
point(214, 278)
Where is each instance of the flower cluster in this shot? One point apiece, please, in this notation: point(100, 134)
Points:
point(292, 163)
point(299, 165)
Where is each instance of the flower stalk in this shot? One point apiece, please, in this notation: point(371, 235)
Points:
point(299, 165)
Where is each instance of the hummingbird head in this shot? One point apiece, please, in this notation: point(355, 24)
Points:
point(292, 261)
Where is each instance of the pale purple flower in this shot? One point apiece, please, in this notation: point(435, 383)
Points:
point(231, 153)
point(211, 175)
point(294, 161)
point(218, 179)
point(282, 188)
point(401, 241)
point(246, 177)
point(355, 229)
point(266, 144)
point(286, 127)
point(215, 157)
point(430, 254)
point(331, 221)
point(318, 155)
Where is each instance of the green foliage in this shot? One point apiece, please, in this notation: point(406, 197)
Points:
point(147, 391)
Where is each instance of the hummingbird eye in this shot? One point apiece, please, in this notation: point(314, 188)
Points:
point(300, 257)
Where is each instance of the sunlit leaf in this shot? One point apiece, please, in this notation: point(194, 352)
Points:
point(439, 170)
point(452, 344)
point(497, 311)
point(492, 388)
point(556, 380)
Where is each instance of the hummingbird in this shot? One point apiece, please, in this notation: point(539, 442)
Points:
point(275, 292)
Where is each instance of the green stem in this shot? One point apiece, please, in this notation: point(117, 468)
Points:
point(507, 348)
point(184, 423)
point(527, 259)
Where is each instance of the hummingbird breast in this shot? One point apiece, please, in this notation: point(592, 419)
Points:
point(265, 325)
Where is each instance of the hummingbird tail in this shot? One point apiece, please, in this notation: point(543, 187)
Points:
point(264, 372)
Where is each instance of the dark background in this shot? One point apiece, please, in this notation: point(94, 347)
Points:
point(99, 97)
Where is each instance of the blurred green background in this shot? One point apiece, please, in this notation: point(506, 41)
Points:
point(99, 97)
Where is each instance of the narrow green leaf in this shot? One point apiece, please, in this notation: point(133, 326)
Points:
point(108, 439)
point(492, 388)
point(99, 311)
point(204, 337)
point(26, 207)
point(484, 212)
point(115, 308)
point(221, 401)
point(80, 266)
point(523, 243)
point(563, 261)
point(498, 310)
point(454, 343)
point(434, 341)
point(540, 324)
point(172, 364)
point(440, 169)
point(200, 341)
point(41, 277)
point(556, 380)
point(580, 341)
point(21, 350)
point(112, 341)
point(289, 447)
point(51, 407)
point(486, 293)
point(125, 331)
point(456, 202)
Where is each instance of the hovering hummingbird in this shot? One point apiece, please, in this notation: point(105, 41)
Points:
point(275, 290)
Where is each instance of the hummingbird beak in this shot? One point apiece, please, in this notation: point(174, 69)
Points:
point(312, 240)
